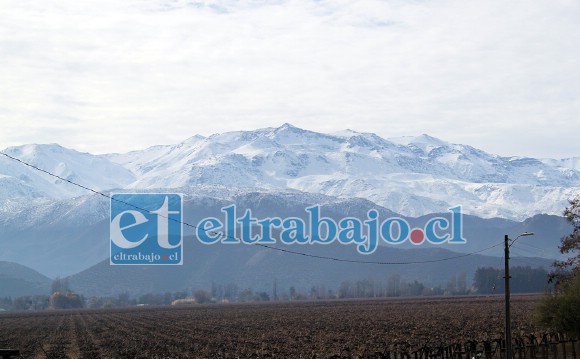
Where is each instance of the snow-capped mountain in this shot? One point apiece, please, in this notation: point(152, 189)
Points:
point(18, 181)
point(410, 175)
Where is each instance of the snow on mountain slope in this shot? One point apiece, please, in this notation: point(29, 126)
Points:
point(470, 164)
point(572, 163)
point(18, 180)
point(409, 175)
point(19, 214)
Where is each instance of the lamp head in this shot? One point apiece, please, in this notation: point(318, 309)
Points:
point(521, 235)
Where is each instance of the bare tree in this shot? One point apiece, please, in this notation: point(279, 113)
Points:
point(567, 269)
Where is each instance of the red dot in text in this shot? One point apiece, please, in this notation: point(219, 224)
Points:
point(417, 236)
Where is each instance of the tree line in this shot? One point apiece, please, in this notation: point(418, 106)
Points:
point(487, 280)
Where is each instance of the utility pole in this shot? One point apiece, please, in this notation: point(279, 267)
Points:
point(508, 326)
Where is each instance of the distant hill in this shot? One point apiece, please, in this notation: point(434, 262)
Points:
point(255, 267)
point(17, 280)
point(64, 238)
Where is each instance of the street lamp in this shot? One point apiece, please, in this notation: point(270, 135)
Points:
point(508, 327)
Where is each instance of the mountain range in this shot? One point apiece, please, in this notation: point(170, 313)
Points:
point(412, 176)
point(60, 229)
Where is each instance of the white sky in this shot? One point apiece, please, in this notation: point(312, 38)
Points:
point(113, 76)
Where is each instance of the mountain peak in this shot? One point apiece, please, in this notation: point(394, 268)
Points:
point(421, 141)
point(288, 127)
point(409, 175)
point(345, 133)
point(195, 138)
point(33, 148)
point(425, 138)
point(289, 134)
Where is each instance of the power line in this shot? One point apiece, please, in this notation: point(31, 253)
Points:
point(542, 251)
point(284, 250)
point(379, 262)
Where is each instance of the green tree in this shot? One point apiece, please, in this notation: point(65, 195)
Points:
point(561, 310)
point(487, 280)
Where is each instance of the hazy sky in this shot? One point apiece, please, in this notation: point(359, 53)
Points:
point(112, 76)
